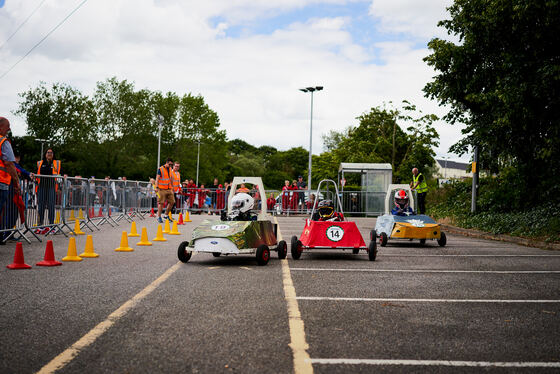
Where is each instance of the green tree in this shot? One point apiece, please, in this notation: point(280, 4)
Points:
point(502, 80)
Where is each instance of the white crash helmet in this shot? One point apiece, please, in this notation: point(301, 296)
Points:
point(242, 202)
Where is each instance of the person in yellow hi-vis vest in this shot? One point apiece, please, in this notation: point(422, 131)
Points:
point(419, 184)
point(46, 187)
point(164, 186)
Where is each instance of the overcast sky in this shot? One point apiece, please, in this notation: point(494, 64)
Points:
point(247, 58)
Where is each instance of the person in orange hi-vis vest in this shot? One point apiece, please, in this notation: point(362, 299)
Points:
point(164, 186)
point(176, 183)
point(47, 187)
point(8, 172)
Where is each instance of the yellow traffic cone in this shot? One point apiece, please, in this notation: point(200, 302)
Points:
point(159, 236)
point(187, 218)
point(174, 231)
point(133, 231)
point(77, 229)
point(144, 238)
point(72, 255)
point(81, 214)
point(57, 217)
point(72, 216)
point(166, 227)
point(88, 251)
point(124, 244)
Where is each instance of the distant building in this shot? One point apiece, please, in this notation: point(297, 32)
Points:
point(448, 169)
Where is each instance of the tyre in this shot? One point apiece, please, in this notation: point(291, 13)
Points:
point(372, 235)
point(296, 248)
point(372, 250)
point(422, 241)
point(182, 253)
point(383, 239)
point(216, 254)
point(263, 255)
point(355, 251)
point(282, 249)
point(442, 241)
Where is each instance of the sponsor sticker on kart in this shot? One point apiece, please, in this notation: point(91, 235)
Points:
point(416, 223)
point(335, 233)
point(220, 227)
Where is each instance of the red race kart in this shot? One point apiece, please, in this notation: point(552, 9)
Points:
point(341, 234)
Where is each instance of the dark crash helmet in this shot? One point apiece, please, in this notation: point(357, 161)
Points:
point(401, 199)
point(326, 209)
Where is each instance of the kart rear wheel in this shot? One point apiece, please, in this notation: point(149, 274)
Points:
point(182, 253)
point(282, 249)
point(355, 251)
point(296, 248)
point(216, 254)
point(383, 239)
point(373, 235)
point(422, 241)
point(442, 241)
point(263, 255)
point(372, 250)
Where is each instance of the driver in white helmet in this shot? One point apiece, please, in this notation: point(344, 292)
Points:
point(241, 205)
point(402, 204)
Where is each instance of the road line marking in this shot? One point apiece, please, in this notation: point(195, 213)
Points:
point(70, 353)
point(320, 298)
point(433, 271)
point(298, 344)
point(408, 255)
point(350, 361)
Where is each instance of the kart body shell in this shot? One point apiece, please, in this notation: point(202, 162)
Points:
point(236, 237)
point(412, 226)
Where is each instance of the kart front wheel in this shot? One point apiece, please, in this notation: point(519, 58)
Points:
point(282, 249)
point(263, 255)
point(383, 239)
point(182, 253)
point(296, 248)
point(216, 254)
point(372, 250)
point(442, 241)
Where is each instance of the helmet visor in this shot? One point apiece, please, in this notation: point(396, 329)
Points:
point(326, 211)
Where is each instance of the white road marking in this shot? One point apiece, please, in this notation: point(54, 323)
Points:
point(433, 271)
point(68, 355)
point(321, 298)
point(482, 255)
point(350, 361)
point(302, 362)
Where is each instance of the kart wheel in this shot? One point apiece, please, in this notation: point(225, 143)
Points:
point(182, 253)
point(263, 255)
point(297, 248)
point(422, 241)
point(383, 239)
point(282, 249)
point(372, 235)
point(442, 241)
point(372, 250)
point(216, 254)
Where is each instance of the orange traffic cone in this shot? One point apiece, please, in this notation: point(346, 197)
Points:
point(174, 231)
point(153, 214)
point(100, 214)
point(144, 238)
point(133, 231)
point(81, 214)
point(187, 217)
point(180, 219)
point(19, 262)
point(49, 256)
point(88, 250)
point(159, 236)
point(124, 244)
point(72, 254)
point(72, 216)
point(166, 227)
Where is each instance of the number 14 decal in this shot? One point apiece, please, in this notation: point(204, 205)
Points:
point(335, 233)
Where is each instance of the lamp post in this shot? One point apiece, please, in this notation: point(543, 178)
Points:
point(43, 141)
point(160, 126)
point(310, 89)
point(197, 160)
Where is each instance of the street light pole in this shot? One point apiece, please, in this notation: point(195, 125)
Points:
point(197, 160)
point(310, 89)
point(43, 141)
point(160, 125)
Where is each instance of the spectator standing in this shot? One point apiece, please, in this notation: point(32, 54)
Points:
point(191, 188)
point(214, 194)
point(286, 196)
point(302, 186)
point(47, 187)
point(419, 185)
point(176, 179)
point(294, 196)
point(165, 189)
point(270, 202)
point(220, 198)
point(8, 172)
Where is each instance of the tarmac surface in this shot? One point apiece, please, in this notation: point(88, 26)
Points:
point(473, 305)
